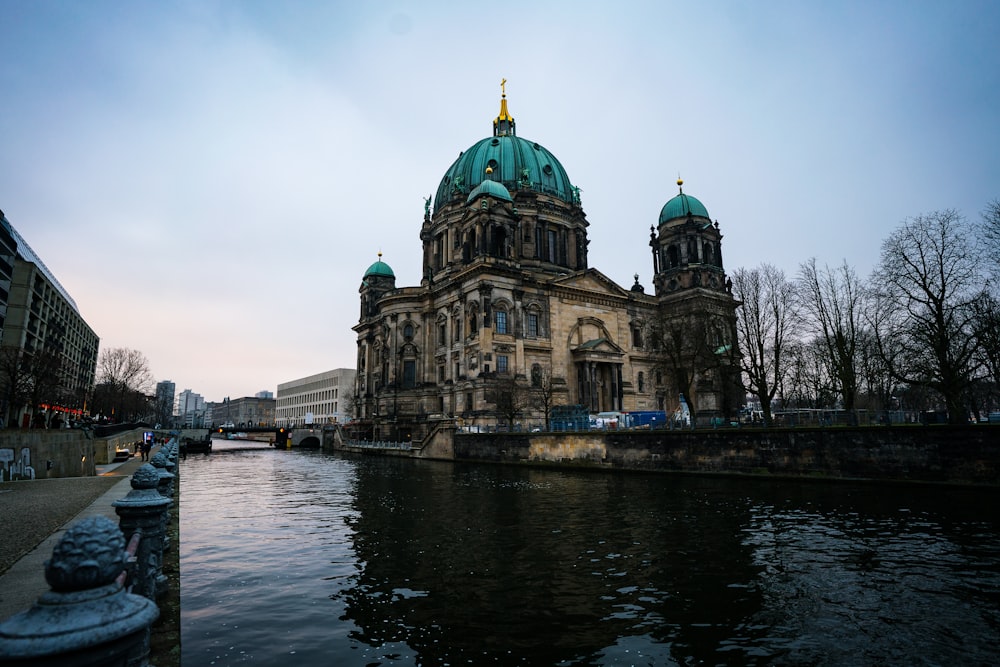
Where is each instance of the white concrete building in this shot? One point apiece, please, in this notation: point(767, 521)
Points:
point(318, 399)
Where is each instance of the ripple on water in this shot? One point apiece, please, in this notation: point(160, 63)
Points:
point(315, 559)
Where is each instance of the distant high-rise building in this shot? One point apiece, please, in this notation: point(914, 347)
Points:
point(40, 317)
point(264, 394)
point(165, 402)
point(190, 410)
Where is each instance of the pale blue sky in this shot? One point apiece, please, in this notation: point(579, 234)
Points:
point(210, 180)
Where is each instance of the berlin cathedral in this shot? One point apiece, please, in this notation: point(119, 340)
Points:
point(508, 299)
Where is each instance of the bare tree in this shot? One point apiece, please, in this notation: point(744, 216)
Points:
point(682, 352)
point(47, 378)
point(877, 386)
point(544, 391)
point(987, 331)
point(510, 397)
point(807, 382)
point(163, 410)
point(928, 281)
point(696, 351)
point(990, 232)
point(123, 377)
point(764, 325)
point(834, 300)
point(15, 381)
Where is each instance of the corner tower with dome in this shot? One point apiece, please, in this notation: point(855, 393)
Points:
point(507, 298)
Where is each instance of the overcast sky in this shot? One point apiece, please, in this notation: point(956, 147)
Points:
point(210, 180)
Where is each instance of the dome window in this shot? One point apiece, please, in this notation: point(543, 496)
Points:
point(547, 170)
point(492, 164)
point(495, 142)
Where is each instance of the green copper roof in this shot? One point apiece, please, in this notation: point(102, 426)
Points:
point(681, 206)
point(518, 164)
point(508, 161)
point(380, 268)
point(491, 188)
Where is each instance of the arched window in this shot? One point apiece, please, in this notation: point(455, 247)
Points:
point(407, 331)
point(500, 318)
point(673, 257)
point(536, 375)
point(531, 324)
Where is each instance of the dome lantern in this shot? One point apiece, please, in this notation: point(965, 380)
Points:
point(508, 160)
point(504, 123)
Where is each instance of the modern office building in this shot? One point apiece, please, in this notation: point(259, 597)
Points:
point(8, 254)
point(509, 303)
point(190, 411)
point(324, 398)
point(41, 316)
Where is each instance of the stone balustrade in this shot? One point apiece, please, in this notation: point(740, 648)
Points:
point(93, 615)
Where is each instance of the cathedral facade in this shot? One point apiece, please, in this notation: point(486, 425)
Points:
point(508, 304)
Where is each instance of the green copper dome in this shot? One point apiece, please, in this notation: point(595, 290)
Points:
point(380, 268)
point(682, 206)
point(515, 164)
point(491, 188)
point(518, 164)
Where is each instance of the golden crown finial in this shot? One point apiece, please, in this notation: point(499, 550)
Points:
point(680, 183)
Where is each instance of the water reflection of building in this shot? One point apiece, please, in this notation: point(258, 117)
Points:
point(502, 565)
point(507, 295)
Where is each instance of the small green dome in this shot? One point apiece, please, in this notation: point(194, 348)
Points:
point(380, 268)
point(682, 206)
point(517, 164)
point(491, 188)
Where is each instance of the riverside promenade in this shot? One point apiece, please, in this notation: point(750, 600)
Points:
point(34, 514)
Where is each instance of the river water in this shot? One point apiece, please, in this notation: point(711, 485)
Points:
point(303, 557)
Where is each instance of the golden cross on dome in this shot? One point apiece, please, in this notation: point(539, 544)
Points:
point(503, 89)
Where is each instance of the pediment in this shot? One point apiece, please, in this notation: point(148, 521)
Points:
point(598, 346)
point(591, 280)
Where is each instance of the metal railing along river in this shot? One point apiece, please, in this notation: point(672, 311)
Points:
point(105, 580)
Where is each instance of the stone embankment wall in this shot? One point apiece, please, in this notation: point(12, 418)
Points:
point(947, 454)
point(49, 453)
point(46, 453)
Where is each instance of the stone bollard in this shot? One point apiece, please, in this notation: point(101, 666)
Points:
point(170, 457)
point(145, 510)
point(166, 484)
point(170, 450)
point(87, 619)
